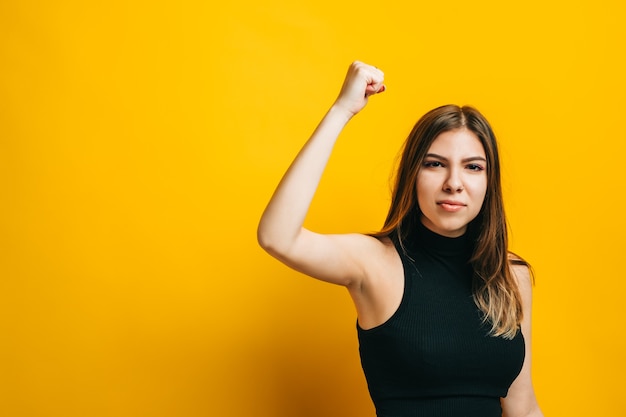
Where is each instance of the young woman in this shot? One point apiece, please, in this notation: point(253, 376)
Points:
point(443, 308)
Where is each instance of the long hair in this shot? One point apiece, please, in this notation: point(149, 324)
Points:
point(495, 289)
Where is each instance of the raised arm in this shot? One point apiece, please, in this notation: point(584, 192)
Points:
point(280, 232)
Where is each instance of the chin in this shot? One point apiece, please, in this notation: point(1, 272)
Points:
point(450, 230)
point(449, 226)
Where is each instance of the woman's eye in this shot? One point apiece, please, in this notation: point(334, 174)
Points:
point(433, 164)
point(475, 167)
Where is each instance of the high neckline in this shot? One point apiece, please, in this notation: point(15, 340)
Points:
point(434, 242)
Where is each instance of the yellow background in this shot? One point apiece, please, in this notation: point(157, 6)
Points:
point(140, 142)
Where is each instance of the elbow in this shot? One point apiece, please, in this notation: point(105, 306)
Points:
point(278, 243)
point(270, 243)
point(263, 239)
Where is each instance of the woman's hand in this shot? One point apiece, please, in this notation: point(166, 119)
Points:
point(361, 81)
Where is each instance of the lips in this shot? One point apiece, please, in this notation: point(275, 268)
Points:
point(451, 205)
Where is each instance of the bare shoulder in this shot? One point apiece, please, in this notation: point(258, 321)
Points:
point(523, 275)
point(374, 254)
point(382, 255)
point(521, 269)
point(363, 246)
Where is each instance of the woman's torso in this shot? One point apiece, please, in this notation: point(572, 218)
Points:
point(432, 355)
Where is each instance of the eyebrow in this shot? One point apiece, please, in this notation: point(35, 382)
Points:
point(469, 159)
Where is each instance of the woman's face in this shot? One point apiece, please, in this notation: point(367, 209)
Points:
point(452, 182)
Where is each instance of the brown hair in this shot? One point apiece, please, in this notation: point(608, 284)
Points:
point(495, 289)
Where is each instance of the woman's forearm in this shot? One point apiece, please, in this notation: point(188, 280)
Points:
point(284, 215)
point(282, 221)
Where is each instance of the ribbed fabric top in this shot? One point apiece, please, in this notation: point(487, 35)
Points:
point(433, 357)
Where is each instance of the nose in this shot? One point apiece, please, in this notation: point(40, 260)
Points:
point(453, 182)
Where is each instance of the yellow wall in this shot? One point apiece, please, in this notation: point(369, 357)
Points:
point(140, 141)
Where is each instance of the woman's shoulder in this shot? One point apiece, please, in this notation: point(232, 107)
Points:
point(515, 259)
point(377, 254)
point(368, 250)
point(520, 267)
point(380, 247)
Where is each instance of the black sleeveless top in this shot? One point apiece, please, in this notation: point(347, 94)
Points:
point(433, 357)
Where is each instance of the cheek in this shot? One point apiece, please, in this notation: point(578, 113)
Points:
point(423, 187)
point(428, 180)
point(479, 190)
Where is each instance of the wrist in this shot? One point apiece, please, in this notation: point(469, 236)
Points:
point(340, 112)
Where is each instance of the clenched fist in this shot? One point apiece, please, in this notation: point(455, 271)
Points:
point(361, 81)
